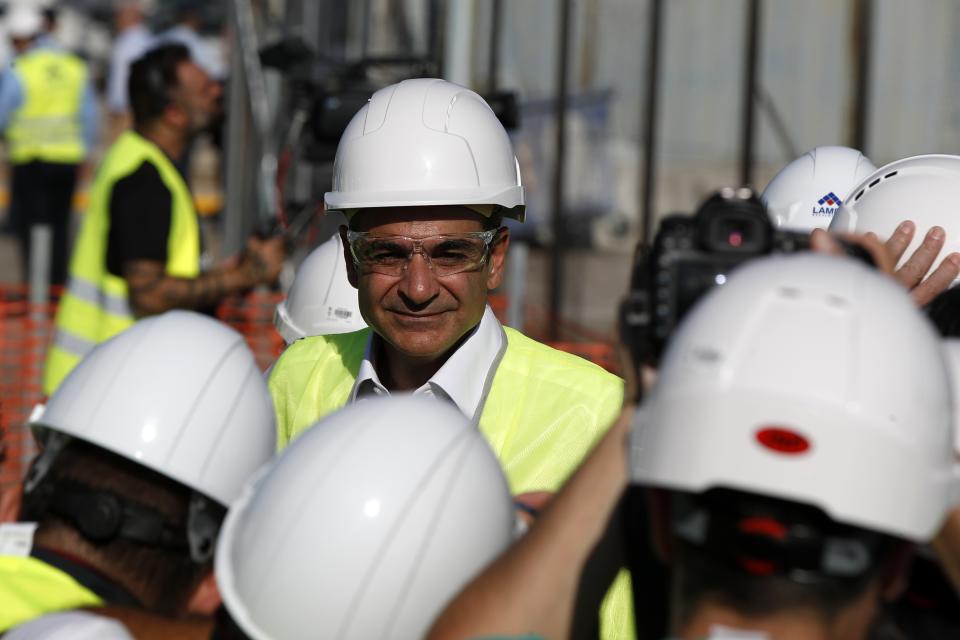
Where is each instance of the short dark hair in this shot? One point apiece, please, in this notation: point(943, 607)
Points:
point(719, 571)
point(165, 576)
point(152, 76)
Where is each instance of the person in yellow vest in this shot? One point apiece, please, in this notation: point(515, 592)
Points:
point(49, 117)
point(144, 446)
point(424, 174)
point(138, 250)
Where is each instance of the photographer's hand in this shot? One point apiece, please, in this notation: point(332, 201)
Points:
point(911, 274)
point(886, 255)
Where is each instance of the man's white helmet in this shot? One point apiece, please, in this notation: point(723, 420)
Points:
point(23, 21)
point(925, 189)
point(806, 193)
point(178, 393)
point(321, 300)
point(425, 142)
point(366, 525)
point(812, 379)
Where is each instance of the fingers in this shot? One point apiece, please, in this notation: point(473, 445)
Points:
point(938, 281)
point(916, 267)
point(823, 242)
point(900, 239)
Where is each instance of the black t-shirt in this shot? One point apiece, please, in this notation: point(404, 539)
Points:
point(141, 207)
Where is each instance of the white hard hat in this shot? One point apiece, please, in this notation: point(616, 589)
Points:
point(178, 393)
point(321, 300)
point(812, 379)
point(952, 348)
point(925, 189)
point(24, 21)
point(425, 142)
point(806, 193)
point(366, 525)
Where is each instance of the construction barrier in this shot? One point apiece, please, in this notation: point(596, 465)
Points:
point(26, 330)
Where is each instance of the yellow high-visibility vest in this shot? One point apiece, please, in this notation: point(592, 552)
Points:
point(95, 305)
point(47, 125)
point(30, 588)
point(545, 411)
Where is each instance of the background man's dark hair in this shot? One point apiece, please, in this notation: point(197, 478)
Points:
point(152, 77)
point(165, 576)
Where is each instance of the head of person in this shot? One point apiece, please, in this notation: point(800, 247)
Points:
point(321, 300)
point(128, 14)
point(923, 189)
point(767, 444)
point(24, 24)
point(365, 526)
point(806, 194)
point(144, 445)
point(425, 173)
point(168, 89)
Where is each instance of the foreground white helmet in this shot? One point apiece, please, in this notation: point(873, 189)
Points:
point(366, 526)
point(425, 142)
point(952, 347)
point(321, 300)
point(806, 193)
point(812, 379)
point(178, 393)
point(925, 189)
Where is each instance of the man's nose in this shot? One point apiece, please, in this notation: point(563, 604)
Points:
point(418, 287)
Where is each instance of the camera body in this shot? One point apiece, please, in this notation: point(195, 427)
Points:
point(691, 255)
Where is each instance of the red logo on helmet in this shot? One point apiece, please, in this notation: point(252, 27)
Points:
point(782, 440)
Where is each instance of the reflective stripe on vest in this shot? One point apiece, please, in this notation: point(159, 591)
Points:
point(95, 305)
point(544, 412)
point(30, 588)
point(47, 125)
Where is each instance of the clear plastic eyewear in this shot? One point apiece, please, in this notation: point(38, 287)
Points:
point(445, 254)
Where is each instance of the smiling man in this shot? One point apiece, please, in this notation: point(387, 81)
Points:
point(424, 174)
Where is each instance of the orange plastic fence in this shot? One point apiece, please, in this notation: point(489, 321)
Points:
point(26, 330)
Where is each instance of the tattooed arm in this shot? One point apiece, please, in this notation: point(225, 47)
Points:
point(152, 291)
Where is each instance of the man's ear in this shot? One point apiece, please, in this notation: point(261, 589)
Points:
point(348, 258)
point(498, 258)
point(10, 504)
point(205, 599)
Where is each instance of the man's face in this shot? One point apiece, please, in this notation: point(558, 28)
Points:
point(418, 313)
point(195, 98)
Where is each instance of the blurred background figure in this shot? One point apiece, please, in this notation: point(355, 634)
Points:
point(132, 40)
point(186, 31)
point(50, 119)
point(321, 300)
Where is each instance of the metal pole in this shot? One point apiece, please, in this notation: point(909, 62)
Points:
point(863, 43)
point(517, 272)
point(749, 90)
point(493, 64)
point(559, 228)
point(648, 177)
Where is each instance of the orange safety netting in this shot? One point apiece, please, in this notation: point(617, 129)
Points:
point(26, 330)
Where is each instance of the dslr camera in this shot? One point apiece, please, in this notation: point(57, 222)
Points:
point(691, 255)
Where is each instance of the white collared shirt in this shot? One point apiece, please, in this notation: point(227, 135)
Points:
point(463, 378)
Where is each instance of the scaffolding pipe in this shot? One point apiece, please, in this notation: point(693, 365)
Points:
point(559, 226)
point(648, 177)
point(750, 63)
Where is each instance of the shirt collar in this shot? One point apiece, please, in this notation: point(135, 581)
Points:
point(463, 377)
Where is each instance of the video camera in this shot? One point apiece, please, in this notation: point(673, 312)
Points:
point(693, 254)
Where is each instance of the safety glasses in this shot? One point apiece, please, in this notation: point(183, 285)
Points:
point(445, 254)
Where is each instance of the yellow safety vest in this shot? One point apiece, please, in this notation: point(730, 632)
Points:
point(30, 588)
point(47, 125)
point(95, 305)
point(545, 411)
